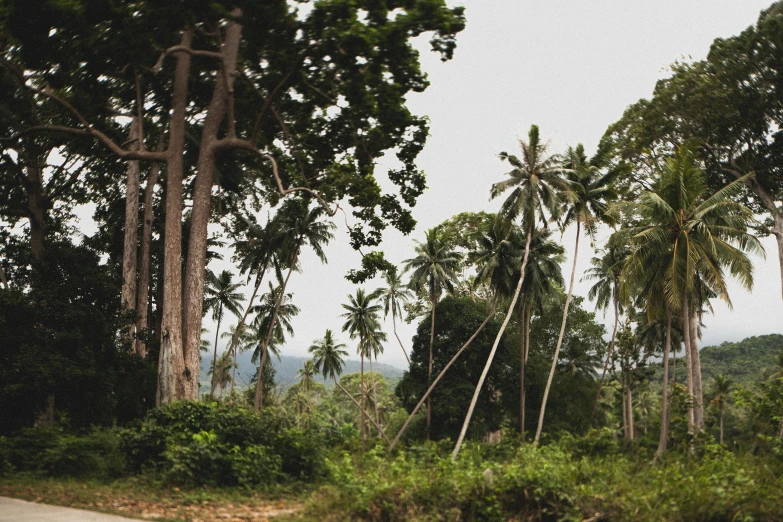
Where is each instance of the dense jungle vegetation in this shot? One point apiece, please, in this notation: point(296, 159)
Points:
point(265, 122)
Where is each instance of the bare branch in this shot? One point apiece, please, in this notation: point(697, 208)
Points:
point(236, 143)
point(266, 99)
point(183, 49)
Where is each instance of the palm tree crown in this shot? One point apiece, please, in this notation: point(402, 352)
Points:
point(328, 356)
point(434, 269)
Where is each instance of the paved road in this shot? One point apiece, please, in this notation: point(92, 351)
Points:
point(14, 510)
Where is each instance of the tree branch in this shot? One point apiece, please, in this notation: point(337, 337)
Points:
point(183, 49)
point(236, 143)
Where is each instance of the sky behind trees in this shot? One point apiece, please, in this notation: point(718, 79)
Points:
point(570, 67)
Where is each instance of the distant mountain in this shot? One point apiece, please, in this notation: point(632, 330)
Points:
point(287, 367)
point(749, 360)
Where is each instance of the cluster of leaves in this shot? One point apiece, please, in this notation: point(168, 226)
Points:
point(549, 483)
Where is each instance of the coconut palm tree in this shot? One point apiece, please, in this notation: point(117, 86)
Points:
point(221, 293)
point(362, 321)
point(393, 296)
point(433, 270)
point(697, 237)
point(588, 194)
point(606, 271)
point(536, 185)
point(722, 387)
point(223, 378)
point(300, 226)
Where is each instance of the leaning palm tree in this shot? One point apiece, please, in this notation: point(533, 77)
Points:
point(536, 186)
point(588, 193)
point(720, 396)
point(697, 237)
point(362, 321)
point(393, 296)
point(301, 225)
point(221, 293)
point(433, 271)
point(223, 378)
point(606, 271)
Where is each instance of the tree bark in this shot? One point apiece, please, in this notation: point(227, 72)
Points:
point(259, 388)
point(394, 323)
point(684, 311)
point(664, 439)
point(629, 409)
point(374, 391)
point(202, 202)
point(720, 439)
point(145, 258)
point(264, 358)
point(36, 208)
point(625, 410)
point(130, 245)
point(560, 338)
point(3, 279)
point(698, 395)
point(429, 368)
point(440, 376)
point(361, 391)
point(608, 356)
point(171, 364)
point(484, 372)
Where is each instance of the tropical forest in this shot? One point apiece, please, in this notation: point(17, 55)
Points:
point(391, 260)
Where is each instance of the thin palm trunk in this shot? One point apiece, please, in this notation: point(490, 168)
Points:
point(527, 355)
point(238, 331)
point(625, 411)
point(608, 356)
point(720, 439)
point(522, 325)
point(394, 323)
point(374, 393)
point(629, 408)
point(688, 360)
point(361, 389)
point(484, 373)
point(441, 374)
point(264, 357)
point(214, 351)
point(377, 425)
point(429, 368)
point(559, 339)
point(698, 395)
point(259, 387)
point(663, 441)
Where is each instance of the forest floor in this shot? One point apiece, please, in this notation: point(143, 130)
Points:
point(134, 499)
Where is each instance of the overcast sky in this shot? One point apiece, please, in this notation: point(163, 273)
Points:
point(570, 67)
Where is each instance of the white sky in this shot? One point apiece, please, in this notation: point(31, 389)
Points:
point(570, 67)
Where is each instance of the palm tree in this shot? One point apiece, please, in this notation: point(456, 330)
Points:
point(606, 271)
point(695, 237)
point(393, 296)
point(272, 305)
point(588, 193)
point(221, 293)
point(722, 390)
point(536, 184)
point(301, 226)
point(223, 377)
point(362, 321)
point(433, 271)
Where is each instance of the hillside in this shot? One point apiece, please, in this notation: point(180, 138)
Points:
point(287, 367)
point(749, 360)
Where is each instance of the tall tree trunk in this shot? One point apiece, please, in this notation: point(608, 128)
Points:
point(485, 371)
point(608, 356)
point(625, 409)
point(145, 258)
point(214, 351)
point(361, 391)
point(36, 207)
point(377, 425)
point(778, 233)
point(720, 439)
point(171, 364)
point(374, 392)
point(698, 395)
point(664, 439)
point(130, 245)
point(268, 339)
point(441, 374)
point(629, 398)
point(429, 368)
point(559, 339)
point(522, 325)
point(686, 329)
point(394, 323)
point(264, 358)
point(202, 203)
point(3, 279)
